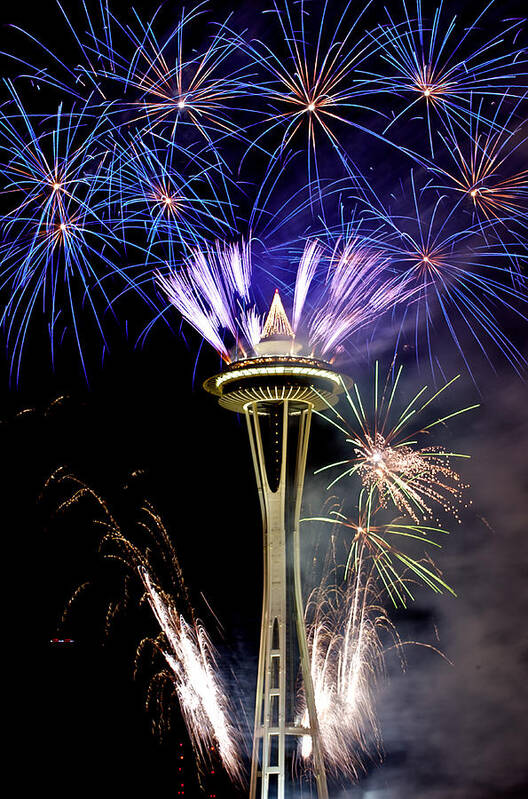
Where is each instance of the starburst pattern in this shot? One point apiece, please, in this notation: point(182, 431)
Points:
point(433, 66)
point(388, 454)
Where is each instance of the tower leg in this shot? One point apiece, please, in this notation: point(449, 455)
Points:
point(283, 644)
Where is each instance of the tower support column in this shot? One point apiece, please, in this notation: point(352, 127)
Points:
point(278, 434)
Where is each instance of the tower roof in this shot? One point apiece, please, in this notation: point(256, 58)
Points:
point(277, 322)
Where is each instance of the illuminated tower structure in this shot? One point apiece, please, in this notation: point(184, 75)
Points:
point(277, 389)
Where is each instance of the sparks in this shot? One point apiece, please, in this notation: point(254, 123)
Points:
point(189, 659)
point(418, 481)
point(56, 239)
point(214, 299)
point(344, 626)
point(314, 90)
point(463, 281)
point(434, 58)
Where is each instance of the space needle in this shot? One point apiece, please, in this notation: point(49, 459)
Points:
point(277, 388)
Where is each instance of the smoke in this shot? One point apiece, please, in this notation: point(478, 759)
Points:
point(459, 731)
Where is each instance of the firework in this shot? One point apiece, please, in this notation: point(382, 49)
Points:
point(344, 626)
point(56, 245)
point(213, 293)
point(207, 290)
point(388, 455)
point(316, 88)
point(380, 545)
point(463, 284)
point(195, 90)
point(356, 292)
point(147, 156)
point(434, 68)
point(190, 663)
point(482, 173)
point(152, 83)
point(145, 180)
point(172, 205)
point(165, 84)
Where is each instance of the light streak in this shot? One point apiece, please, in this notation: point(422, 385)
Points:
point(191, 659)
point(410, 479)
point(56, 244)
point(206, 291)
point(356, 290)
point(190, 672)
point(315, 90)
point(197, 90)
point(145, 157)
point(150, 194)
point(153, 83)
point(463, 284)
point(381, 546)
point(482, 169)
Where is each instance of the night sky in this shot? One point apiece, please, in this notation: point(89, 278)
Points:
point(141, 428)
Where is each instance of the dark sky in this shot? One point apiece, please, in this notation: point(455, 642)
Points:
point(450, 731)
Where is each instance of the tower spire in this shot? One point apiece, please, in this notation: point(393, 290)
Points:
point(277, 322)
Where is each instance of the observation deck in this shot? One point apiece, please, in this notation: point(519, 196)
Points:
point(276, 378)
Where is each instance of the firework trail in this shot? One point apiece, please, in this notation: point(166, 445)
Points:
point(57, 247)
point(151, 189)
point(393, 471)
point(185, 88)
point(483, 175)
point(191, 659)
point(463, 284)
point(314, 85)
point(345, 625)
point(147, 157)
point(315, 89)
point(212, 292)
point(381, 545)
point(148, 82)
point(190, 672)
point(349, 634)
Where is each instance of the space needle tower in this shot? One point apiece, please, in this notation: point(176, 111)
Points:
point(277, 388)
